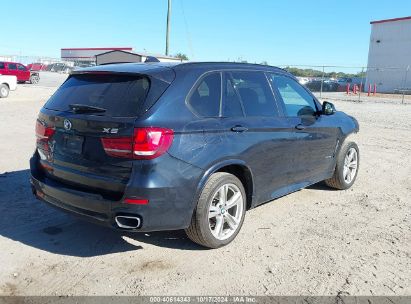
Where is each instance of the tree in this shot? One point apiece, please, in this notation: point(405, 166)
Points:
point(240, 59)
point(181, 56)
point(318, 73)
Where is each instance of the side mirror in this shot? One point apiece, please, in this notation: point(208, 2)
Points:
point(328, 108)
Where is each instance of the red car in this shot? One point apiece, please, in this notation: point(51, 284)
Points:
point(36, 66)
point(22, 73)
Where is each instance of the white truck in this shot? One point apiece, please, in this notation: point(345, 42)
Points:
point(7, 83)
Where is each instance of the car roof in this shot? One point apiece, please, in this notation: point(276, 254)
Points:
point(132, 68)
point(148, 68)
point(227, 65)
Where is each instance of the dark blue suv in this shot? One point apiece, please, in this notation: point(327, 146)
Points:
point(146, 147)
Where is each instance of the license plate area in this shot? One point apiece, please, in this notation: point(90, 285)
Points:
point(73, 143)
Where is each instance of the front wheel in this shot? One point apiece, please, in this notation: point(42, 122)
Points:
point(220, 211)
point(346, 169)
point(34, 79)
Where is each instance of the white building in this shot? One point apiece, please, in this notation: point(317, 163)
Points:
point(120, 56)
point(11, 58)
point(389, 56)
point(87, 55)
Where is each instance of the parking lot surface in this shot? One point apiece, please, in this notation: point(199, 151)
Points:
point(316, 241)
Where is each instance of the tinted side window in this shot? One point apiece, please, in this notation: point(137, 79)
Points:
point(206, 98)
point(231, 99)
point(297, 101)
point(12, 66)
point(255, 93)
point(1, 65)
point(21, 67)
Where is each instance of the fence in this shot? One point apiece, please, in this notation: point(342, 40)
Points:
point(355, 83)
point(52, 64)
point(391, 84)
point(29, 59)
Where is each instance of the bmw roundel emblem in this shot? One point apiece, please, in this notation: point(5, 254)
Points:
point(67, 124)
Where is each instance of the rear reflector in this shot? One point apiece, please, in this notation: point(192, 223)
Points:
point(146, 143)
point(136, 201)
point(46, 166)
point(40, 194)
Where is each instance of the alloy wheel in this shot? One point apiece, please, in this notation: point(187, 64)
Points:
point(350, 165)
point(225, 211)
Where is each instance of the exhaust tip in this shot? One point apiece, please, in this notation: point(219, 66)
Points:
point(127, 222)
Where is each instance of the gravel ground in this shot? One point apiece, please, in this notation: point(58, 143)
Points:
point(313, 242)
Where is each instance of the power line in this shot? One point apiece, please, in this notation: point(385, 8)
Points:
point(190, 44)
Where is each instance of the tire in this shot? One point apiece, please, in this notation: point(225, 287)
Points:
point(340, 180)
point(34, 79)
point(4, 91)
point(204, 230)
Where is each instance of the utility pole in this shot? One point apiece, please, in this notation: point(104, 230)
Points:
point(322, 82)
point(168, 25)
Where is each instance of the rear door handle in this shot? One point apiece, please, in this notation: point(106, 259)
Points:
point(300, 127)
point(239, 129)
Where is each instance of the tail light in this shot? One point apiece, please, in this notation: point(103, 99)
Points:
point(43, 134)
point(146, 143)
point(136, 201)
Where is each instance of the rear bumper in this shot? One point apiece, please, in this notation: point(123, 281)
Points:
point(171, 195)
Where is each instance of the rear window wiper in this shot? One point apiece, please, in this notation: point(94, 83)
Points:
point(82, 108)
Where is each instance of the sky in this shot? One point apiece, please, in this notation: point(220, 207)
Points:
point(288, 32)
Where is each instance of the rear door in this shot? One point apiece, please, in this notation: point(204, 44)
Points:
point(22, 72)
point(316, 135)
point(256, 132)
point(76, 154)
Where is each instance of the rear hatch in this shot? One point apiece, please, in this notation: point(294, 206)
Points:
point(72, 125)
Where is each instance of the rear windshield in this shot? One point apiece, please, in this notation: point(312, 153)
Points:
point(119, 95)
